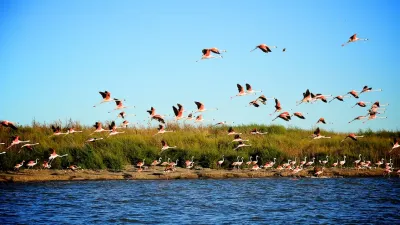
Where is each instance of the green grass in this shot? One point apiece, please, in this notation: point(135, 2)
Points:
point(206, 143)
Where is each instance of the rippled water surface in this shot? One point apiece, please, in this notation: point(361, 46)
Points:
point(238, 201)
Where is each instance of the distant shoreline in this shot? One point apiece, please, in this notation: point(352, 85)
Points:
point(27, 176)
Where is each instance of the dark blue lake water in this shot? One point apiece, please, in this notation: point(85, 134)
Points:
point(236, 201)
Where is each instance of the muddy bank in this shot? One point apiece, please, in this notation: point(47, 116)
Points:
point(180, 173)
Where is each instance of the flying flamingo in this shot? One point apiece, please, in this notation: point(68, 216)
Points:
point(93, 139)
point(125, 124)
point(19, 165)
point(358, 118)
point(178, 111)
point(28, 146)
point(201, 107)
point(339, 97)
point(165, 146)
point(278, 106)
point(71, 130)
point(264, 48)
point(222, 123)
point(368, 89)
point(284, 50)
point(321, 120)
point(352, 93)
point(395, 143)
point(31, 163)
point(254, 103)
point(189, 117)
point(161, 130)
point(16, 141)
point(361, 104)
point(241, 91)
point(207, 54)
point(237, 138)
point(74, 167)
point(255, 131)
point(219, 163)
point(113, 129)
point(216, 50)
point(7, 123)
point(352, 136)
point(57, 130)
point(321, 97)
point(249, 89)
point(263, 99)
point(354, 38)
point(106, 97)
point(54, 155)
point(99, 128)
point(241, 145)
point(199, 119)
point(373, 115)
point(231, 131)
point(378, 105)
point(299, 115)
point(307, 97)
point(317, 134)
point(285, 116)
point(124, 114)
point(120, 105)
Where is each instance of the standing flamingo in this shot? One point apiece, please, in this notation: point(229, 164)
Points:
point(358, 160)
point(46, 165)
point(354, 38)
point(19, 165)
point(336, 163)
point(31, 163)
point(219, 163)
point(140, 164)
point(16, 141)
point(342, 162)
point(264, 48)
point(156, 162)
point(189, 163)
point(324, 162)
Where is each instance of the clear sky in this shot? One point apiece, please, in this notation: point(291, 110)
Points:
point(55, 56)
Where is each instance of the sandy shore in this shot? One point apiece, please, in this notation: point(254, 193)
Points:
point(180, 173)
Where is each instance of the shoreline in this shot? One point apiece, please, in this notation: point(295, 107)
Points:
point(31, 176)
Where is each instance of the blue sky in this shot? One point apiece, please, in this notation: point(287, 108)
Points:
point(56, 55)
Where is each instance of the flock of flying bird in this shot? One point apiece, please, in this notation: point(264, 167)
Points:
point(196, 116)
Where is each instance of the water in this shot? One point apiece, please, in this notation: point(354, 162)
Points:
point(236, 201)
